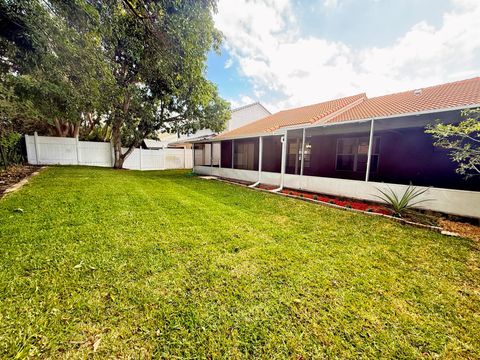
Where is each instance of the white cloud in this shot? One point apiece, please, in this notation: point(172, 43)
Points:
point(330, 3)
point(241, 101)
point(296, 70)
point(228, 63)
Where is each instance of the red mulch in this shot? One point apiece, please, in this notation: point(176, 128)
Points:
point(13, 174)
point(347, 203)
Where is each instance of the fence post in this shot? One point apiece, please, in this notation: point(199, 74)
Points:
point(37, 147)
point(185, 156)
point(164, 158)
point(77, 149)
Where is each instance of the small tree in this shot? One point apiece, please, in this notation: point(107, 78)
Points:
point(462, 141)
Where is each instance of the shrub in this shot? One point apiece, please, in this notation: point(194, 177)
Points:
point(10, 149)
point(399, 204)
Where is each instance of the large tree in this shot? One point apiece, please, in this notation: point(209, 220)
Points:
point(137, 67)
point(157, 50)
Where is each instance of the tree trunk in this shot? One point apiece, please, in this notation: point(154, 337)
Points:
point(117, 144)
point(117, 134)
point(76, 129)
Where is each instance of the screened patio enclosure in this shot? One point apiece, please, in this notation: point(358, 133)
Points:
point(387, 151)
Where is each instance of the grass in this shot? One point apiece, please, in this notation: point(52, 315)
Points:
point(105, 263)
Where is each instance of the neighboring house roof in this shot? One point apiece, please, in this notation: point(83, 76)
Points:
point(188, 140)
point(154, 144)
point(304, 115)
point(250, 105)
point(453, 95)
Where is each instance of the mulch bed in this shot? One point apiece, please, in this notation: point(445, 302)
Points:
point(13, 174)
point(463, 229)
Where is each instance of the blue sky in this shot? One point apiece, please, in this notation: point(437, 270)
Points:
point(287, 53)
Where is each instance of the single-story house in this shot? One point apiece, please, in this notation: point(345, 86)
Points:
point(353, 146)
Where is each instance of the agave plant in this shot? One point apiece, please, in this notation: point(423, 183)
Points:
point(401, 203)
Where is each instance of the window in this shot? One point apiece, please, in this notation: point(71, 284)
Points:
point(246, 154)
point(352, 154)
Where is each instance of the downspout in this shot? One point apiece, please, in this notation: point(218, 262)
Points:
point(282, 173)
point(303, 152)
point(260, 155)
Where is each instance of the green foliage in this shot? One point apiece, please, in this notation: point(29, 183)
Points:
point(134, 68)
point(178, 267)
point(10, 149)
point(54, 64)
point(462, 140)
point(400, 203)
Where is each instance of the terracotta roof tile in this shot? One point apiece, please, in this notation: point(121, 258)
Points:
point(450, 95)
point(303, 115)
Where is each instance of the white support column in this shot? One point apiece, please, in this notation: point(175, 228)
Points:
point(260, 156)
point(303, 152)
point(283, 165)
point(193, 156)
point(370, 144)
point(140, 157)
point(233, 153)
point(220, 155)
point(284, 159)
point(211, 155)
point(37, 147)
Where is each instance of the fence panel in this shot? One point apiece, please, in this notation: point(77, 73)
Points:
point(95, 153)
point(153, 159)
point(45, 150)
point(175, 159)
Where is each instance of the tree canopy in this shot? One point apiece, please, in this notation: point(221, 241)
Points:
point(462, 140)
point(136, 67)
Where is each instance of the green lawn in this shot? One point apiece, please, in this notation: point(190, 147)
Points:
point(164, 264)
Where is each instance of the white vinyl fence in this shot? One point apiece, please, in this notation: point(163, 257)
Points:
point(46, 150)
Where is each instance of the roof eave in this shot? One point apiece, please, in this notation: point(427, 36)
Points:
point(283, 130)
